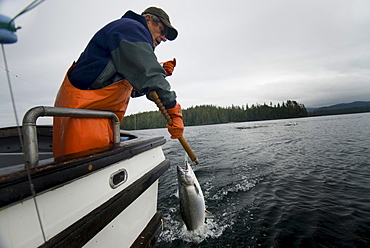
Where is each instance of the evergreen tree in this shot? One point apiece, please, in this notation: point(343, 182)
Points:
point(210, 114)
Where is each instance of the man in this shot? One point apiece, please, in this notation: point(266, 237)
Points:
point(118, 61)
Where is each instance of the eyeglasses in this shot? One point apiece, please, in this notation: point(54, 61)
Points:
point(163, 29)
point(156, 21)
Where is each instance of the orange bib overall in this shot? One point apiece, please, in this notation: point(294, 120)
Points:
point(73, 134)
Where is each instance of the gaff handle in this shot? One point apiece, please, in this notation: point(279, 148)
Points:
point(168, 118)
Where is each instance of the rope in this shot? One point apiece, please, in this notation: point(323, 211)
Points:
point(21, 141)
point(28, 8)
point(13, 29)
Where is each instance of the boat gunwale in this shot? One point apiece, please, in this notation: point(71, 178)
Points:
point(51, 173)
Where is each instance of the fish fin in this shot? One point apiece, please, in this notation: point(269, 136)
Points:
point(178, 218)
point(196, 189)
point(208, 214)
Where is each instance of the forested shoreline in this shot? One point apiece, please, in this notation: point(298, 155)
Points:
point(210, 114)
point(340, 111)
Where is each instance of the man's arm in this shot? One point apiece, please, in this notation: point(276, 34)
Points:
point(134, 58)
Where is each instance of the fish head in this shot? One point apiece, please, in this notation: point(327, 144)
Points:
point(186, 175)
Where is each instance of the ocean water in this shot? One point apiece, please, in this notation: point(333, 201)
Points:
point(282, 183)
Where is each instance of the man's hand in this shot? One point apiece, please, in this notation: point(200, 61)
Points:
point(169, 66)
point(177, 128)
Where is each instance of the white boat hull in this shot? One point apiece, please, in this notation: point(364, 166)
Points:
point(85, 210)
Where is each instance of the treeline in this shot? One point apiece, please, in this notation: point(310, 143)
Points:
point(340, 111)
point(210, 114)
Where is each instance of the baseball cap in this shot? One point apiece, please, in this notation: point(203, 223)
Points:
point(165, 19)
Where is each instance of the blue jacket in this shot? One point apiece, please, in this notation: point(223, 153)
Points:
point(123, 49)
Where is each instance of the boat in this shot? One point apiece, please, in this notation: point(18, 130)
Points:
point(104, 197)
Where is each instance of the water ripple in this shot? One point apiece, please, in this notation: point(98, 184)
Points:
point(275, 184)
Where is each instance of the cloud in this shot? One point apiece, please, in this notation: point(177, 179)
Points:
point(238, 52)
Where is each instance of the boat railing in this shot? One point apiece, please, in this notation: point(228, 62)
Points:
point(30, 143)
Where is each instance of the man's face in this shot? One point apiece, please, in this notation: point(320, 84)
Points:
point(158, 31)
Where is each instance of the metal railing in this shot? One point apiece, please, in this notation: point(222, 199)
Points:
point(30, 146)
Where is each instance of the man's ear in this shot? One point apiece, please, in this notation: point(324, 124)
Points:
point(147, 18)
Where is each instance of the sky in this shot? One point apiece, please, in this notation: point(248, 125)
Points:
point(234, 52)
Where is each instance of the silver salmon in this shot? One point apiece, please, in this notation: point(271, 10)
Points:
point(192, 206)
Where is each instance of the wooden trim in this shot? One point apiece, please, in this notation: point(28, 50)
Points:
point(150, 234)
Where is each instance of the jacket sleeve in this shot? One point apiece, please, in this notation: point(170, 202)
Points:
point(134, 58)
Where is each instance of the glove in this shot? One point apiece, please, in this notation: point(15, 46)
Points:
point(177, 128)
point(169, 66)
